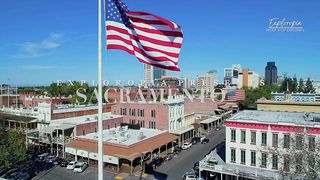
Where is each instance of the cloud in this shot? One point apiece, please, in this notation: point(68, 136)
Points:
point(38, 67)
point(42, 48)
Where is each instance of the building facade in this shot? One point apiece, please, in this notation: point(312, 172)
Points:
point(260, 145)
point(252, 135)
point(167, 115)
point(207, 82)
point(152, 73)
point(271, 73)
point(248, 78)
point(231, 75)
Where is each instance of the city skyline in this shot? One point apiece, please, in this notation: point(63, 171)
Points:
point(62, 46)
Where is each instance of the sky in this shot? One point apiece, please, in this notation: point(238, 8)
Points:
point(42, 41)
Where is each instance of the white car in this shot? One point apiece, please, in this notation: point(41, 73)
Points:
point(186, 145)
point(71, 165)
point(80, 167)
point(190, 176)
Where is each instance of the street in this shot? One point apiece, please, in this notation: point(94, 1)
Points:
point(170, 170)
point(174, 169)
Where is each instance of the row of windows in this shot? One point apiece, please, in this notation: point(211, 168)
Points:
point(253, 158)
point(152, 124)
point(132, 112)
point(275, 139)
point(84, 131)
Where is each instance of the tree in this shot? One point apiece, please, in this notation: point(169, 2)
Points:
point(301, 86)
point(252, 95)
point(298, 156)
point(309, 86)
point(12, 148)
point(294, 84)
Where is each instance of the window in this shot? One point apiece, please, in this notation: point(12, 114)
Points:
point(243, 136)
point(115, 125)
point(274, 161)
point(286, 141)
point(83, 132)
point(95, 129)
point(299, 142)
point(153, 113)
point(286, 163)
point(253, 137)
point(233, 135)
point(138, 112)
point(263, 160)
point(233, 155)
point(108, 126)
point(264, 138)
point(253, 158)
point(275, 140)
point(243, 157)
point(312, 143)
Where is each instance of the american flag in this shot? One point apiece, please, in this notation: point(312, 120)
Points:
point(235, 95)
point(152, 39)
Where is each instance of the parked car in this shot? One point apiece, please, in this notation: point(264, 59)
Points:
point(195, 140)
point(202, 138)
point(64, 163)
point(186, 145)
point(71, 165)
point(57, 161)
point(190, 176)
point(42, 156)
point(80, 167)
point(50, 159)
point(205, 141)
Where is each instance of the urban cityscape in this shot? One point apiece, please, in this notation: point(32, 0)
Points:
point(237, 111)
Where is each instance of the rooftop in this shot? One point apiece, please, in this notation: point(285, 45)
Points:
point(124, 135)
point(4, 116)
point(129, 152)
point(276, 117)
point(84, 119)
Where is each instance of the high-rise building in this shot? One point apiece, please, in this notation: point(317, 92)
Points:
point(271, 73)
point(152, 74)
point(207, 81)
point(248, 78)
point(231, 75)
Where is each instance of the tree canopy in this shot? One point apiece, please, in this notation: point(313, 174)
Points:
point(12, 148)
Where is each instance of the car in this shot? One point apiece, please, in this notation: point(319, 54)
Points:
point(205, 141)
point(57, 161)
point(42, 156)
point(71, 165)
point(64, 163)
point(190, 176)
point(195, 140)
point(202, 138)
point(186, 145)
point(50, 159)
point(80, 167)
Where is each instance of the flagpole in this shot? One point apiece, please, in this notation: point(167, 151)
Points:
point(100, 108)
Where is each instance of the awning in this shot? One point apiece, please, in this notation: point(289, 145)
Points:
point(182, 130)
point(210, 120)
